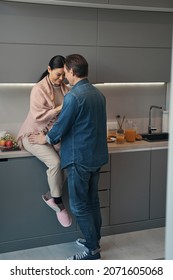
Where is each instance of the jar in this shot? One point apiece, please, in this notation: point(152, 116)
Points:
point(130, 131)
point(112, 128)
point(120, 136)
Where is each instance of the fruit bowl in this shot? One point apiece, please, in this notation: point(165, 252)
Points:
point(8, 149)
point(8, 143)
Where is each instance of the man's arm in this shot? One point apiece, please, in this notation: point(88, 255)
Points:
point(61, 126)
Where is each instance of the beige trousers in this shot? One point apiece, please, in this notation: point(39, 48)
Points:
point(47, 154)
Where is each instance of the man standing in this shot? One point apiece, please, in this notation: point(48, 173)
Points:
point(81, 128)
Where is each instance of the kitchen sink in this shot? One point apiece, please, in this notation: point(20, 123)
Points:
point(162, 136)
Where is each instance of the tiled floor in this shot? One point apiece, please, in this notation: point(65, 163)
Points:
point(139, 245)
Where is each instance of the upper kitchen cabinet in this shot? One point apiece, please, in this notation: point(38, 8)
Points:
point(116, 64)
point(88, 1)
point(134, 46)
point(31, 34)
point(119, 45)
point(47, 25)
point(25, 63)
point(144, 3)
point(134, 29)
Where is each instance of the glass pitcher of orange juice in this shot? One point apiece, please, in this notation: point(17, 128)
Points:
point(130, 131)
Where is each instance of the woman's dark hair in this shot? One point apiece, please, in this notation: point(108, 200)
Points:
point(57, 61)
point(78, 64)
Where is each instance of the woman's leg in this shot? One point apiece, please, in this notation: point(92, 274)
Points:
point(51, 159)
point(47, 154)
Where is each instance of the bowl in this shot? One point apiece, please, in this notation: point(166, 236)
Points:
point(2, 133)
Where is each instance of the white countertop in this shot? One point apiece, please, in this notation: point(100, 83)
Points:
point(137, 146)
point(113, 148)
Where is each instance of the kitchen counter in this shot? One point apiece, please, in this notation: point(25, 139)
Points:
point(14, 154)
point(137, 146)
point(113, 148)
point(132, 191)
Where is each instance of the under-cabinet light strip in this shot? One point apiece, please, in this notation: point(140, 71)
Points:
point(107, 84)
point(17, 84)
point(132, 84)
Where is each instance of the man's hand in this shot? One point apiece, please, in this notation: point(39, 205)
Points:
point(37, 139)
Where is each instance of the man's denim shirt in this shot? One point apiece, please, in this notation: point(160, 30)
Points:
point(81, 127)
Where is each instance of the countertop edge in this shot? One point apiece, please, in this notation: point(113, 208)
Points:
point(112, 147)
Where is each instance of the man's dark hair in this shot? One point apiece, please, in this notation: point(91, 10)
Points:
point(78, 64)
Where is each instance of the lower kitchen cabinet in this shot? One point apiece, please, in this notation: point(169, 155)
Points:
point(132, 191)
point(104, 193)
point(26, 221)
point(138, 187)
point(158, 183)
point(130, 178)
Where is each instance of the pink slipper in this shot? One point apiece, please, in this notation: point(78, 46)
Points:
point(64, 218)
point(50, 202)
point(62, 215)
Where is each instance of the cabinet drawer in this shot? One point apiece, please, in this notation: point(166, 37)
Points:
point(104, 182)
point(104, 198)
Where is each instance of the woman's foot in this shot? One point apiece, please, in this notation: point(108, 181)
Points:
point(61, 213)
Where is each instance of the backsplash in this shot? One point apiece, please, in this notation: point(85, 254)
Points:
point(131, 100)
point(134, 100)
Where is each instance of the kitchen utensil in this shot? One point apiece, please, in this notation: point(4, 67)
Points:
point(120, 123)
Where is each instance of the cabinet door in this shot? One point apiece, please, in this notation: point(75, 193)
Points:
point(104, 193)
point(23, 214)
point(158, 183)
point(133, 46)
point(130, 174)
point(31, 29)
point(149, 64)
point(146, 3)
point(89, 1)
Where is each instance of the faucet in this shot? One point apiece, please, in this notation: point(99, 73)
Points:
point(150, 128)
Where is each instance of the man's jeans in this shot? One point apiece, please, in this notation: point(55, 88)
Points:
point(84, 202)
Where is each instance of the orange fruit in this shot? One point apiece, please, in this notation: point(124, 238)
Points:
point(2, 142)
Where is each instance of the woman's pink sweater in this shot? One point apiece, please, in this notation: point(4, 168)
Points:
point(42, 113)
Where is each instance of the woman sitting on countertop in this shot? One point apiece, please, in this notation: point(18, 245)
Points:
point(45, 105)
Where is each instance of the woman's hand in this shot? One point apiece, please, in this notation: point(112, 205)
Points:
point(37, 138)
